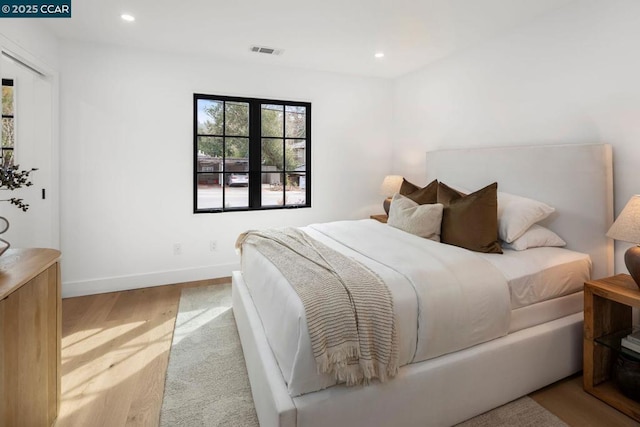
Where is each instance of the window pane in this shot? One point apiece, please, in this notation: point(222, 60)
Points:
point(295, 154)
point(296, 189)
point(272, 120)
point(236, 179)
point(237, 118)
point(296, 122)
point(210, 117)
point(7, 132)
point(209, 164)
point(7, 100)
point(237, 154)
point(236, 192)
point(272, 155)
point(209, 191)
point(272, 190)
point(209, 154)
point(7, 157)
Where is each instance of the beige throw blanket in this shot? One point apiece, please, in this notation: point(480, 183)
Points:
point(349, 309)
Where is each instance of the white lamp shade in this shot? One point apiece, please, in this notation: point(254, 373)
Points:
point(391, 185)
point(627, 226)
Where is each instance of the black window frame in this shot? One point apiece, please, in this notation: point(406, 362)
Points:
point(9, 82)
point(255, 153)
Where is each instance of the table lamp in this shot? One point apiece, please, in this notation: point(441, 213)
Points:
point(390, 186)
point(627, 228)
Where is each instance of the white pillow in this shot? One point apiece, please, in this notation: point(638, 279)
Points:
point(517, 214)
point(421, 220)
point(535, 237)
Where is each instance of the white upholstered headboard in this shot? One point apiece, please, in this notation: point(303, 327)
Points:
point(575, 179)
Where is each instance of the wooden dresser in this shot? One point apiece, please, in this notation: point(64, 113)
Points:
point(30, 331)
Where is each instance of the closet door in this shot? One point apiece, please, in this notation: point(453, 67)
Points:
point(28, 116)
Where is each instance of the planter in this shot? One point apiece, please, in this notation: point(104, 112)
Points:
point(4, 226)
point(626, 374)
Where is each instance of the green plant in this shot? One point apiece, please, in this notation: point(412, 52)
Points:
point(12, 178)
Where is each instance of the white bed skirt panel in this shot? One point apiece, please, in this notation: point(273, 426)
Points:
point(438, 392)
point(270, 396)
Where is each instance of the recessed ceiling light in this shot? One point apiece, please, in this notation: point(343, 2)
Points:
point(127, 17)
point(379, 55)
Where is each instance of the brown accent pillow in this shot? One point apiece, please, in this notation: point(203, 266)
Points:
point(447, 194)
point(423, 196)
point(407, 187)
point(470, 221)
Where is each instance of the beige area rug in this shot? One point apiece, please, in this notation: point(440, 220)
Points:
point(207, 383)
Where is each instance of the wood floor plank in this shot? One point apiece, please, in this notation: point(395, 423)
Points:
point(75, 308)
point(88, 310)
point(146, 404)
point(569, 402)
point(125, 307)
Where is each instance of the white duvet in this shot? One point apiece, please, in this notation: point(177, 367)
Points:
point(445, 298)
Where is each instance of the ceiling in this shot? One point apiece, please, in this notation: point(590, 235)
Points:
point(328, 35)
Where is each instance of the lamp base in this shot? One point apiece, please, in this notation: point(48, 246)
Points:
point(386, 204)
point(632, 261)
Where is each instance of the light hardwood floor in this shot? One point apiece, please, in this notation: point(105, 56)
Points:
point(115, 349)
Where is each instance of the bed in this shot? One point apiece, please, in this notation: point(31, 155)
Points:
point(542, 338)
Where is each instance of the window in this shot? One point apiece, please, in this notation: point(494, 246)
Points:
point(8, 123)
point(251, 154)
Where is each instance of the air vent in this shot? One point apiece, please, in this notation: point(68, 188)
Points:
point(266, 50)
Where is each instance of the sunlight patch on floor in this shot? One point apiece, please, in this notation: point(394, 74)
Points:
point(190, 321)
point(81, 341)
point(107, 360)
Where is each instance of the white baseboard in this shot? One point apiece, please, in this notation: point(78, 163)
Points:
point(137, 281)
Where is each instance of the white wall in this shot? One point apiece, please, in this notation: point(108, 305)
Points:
point(33, 40)
point(572, 76)
point(126, 161)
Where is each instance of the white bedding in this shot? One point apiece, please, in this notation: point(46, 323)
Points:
point(440, 307)
point(541, 274)
point(479, 296)
point(546, 311)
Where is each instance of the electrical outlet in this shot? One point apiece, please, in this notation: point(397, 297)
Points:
point(213, 245)
point(177, 249)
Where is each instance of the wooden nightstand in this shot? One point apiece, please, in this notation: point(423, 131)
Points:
point(382, 218)
point(607, 318)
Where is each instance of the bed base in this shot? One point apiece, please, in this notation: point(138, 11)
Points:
point(438, 392)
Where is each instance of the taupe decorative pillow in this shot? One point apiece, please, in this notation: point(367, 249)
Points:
point(407, 187)
point(423, 196)
point(470, 221)
point(446, 194)
point(421, 220)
